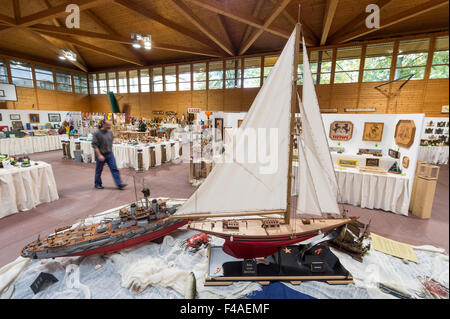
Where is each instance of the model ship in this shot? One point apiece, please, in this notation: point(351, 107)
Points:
point(141, 222)
point(237, 201)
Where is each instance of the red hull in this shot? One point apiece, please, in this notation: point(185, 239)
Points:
point(260, 247)
point(132, 242)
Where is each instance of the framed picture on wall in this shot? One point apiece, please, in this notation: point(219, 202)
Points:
point(218, 125)
point(341, 131)
point(373, 131)
point(34, 118)
point(405, 131)
point(54, 117)
point(17, 125)
point(14, 117)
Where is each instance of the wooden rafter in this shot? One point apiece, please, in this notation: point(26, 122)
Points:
point(330, 10)
point(192, 18)
point(226, 30)
point(249, 28)
point(58, 11)
point(276, 11)
point(7, 20)
point(397, 18)
point(357, 21)
point(148, 14)
point(16, 7)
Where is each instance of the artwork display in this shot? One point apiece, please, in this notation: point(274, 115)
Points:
point(34, 118)
point(405, 161)
point(395, 169)
point(370, 151)
point(373, 131)
point(394, 154)
point(14, 117)
point(372, 162)
point(442, 124)
point(429, 130)
point(17, 125)
point(347, 162)
point(339, 150)
point(405, 131)
point(218, 125)
point(439, 131)
point(341, 131)
point(54, 117)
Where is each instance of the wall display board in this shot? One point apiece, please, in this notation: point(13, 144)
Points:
point(341, 130)
point(405, 132)
point(435, 132)
point(373, 131)
point(11, 116)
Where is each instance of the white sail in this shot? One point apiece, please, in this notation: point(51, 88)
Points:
point(242, 186)
point(318, 188)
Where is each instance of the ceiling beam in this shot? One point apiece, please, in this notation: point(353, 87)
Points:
point(59, 10)
point(276, 11)
point(16, 7)
point(249, 28)
point(226, 30)
point(192, 18)
point(148, 14)
point(176, 48)
point(51, 46)
point(7, 20)
point(330, 10)
point(357, 21)
point(397, 18)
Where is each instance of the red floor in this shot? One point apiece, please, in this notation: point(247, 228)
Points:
point(79, 199)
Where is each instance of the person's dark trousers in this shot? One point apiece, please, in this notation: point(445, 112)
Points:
point(111, 161)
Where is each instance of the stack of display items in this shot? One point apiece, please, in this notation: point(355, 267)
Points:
point(434, 144)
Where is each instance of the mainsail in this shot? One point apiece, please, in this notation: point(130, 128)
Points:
point(239, 186)
point(317, 178)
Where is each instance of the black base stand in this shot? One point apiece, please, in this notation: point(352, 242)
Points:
point(289, 264)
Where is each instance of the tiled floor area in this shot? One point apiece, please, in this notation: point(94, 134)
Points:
point(79, 199)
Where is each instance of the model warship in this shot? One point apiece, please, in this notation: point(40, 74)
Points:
point(234, 189)
point(140, 222)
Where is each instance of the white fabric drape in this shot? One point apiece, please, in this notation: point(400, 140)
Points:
point(236, 185)
point(30, 145)
point(26, 187)
point(434, 154)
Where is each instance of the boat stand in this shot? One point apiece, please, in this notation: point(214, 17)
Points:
point(292, 264)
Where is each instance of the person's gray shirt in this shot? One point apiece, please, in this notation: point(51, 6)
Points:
point(103, 140)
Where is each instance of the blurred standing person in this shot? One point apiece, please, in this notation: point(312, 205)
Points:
point(102, 142)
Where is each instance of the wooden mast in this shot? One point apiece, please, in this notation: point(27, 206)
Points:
point(294, 102)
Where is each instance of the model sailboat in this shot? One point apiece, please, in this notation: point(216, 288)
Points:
point(234, 189)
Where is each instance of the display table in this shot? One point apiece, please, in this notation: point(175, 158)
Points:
point(23, 188)
point(30, 145)
point(434, 154)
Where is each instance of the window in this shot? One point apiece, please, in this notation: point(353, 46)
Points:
point(378, 62)
point(93, 84)
point(102, 89)
point(199, 74)
point(252, 72)
point(21, 73)
point(215, 73)
point(412, 58)
point(439, 68)
point(134, 81)
point(80, 83)
point(123, 84)
point(233, 74)
point(269, 63)
point(348, 61)
point(170, 78)
point(320, 62)
point(157, 80)
point(112, 82)
point(44, 77)
point(63, 80)
point(184, 77)
point(145, 80)
point(3, 71)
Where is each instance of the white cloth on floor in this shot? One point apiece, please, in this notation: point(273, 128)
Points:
point(434, 154)
point(24, 188)
point(30, 144)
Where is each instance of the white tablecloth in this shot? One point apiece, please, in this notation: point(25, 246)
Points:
point(26, 187)
point(434, 154)
point(30, 145)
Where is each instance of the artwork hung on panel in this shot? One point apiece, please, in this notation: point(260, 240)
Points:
point(373, 131)
point(339, 150)
point(441, 124)
point(218, 125)
point(347, 162)
point(394, 154)
point(34, 118)
point(372, 162)
point(341, 131)
point(439, 131)
point(14, 117)
point(405, 161)
point(370, 151)
point(404, 133)
point(429, 130)
point(17, 125)
point(54, 117)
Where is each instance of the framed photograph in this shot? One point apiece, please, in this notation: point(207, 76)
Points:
point(218, 125)
point(405, 131)
point(372, 162)
point(54, 117)
point(34, 118)
point(17, 125)
point(347, 162)
point(373, 131)
point(341, 131)
point(14, 117)
point(394, 154)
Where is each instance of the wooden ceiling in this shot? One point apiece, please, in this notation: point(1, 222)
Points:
point(189, 30)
